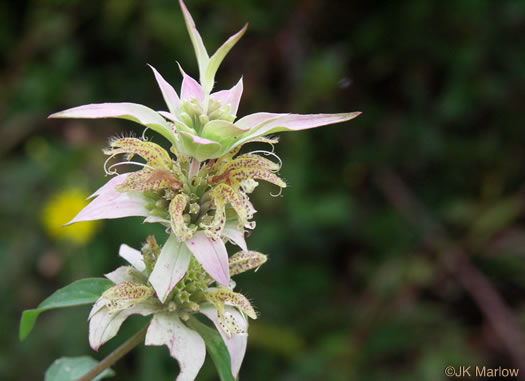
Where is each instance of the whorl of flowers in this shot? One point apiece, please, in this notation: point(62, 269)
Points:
point(199, 191)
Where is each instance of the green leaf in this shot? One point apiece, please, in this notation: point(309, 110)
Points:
point(84, 291)
point(72, 368)
point(216, 348)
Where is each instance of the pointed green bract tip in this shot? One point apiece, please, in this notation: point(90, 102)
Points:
point(207, 66)
point(196, 40)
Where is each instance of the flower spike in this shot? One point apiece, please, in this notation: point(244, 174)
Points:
point(199, 190)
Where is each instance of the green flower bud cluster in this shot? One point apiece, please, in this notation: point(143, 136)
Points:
point(195, 118)
point(158, 202)
point(185, 298)
point(189, 292)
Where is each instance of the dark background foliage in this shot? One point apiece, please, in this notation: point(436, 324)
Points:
point(398, 248)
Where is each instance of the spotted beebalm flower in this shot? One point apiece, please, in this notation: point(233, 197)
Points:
point(201, 211)
point(198, 201)
point(199, 190)
point(133, 295)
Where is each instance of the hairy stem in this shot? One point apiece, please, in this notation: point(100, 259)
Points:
point(114, 356)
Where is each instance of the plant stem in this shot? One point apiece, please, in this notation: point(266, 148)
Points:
point(194, 168)
point(114, 356)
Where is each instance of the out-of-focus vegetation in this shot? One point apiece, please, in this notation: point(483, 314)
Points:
point(399, 246)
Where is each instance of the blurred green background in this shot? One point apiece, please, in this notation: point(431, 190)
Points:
point(398, 248)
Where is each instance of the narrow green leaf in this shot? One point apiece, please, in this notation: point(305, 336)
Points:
point(72, 368)
point(216, 348)
point(196, 40)
point(216, 59)
point(84, 291)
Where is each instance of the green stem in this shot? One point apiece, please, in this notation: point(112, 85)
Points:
point(114, 356)
point(206, 102)
point(194, 169)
